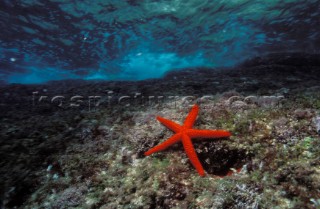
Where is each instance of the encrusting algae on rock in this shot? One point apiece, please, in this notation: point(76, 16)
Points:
point(97, 159)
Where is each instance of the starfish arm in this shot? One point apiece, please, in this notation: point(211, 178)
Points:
point(188, 147)
point(169, 124)
point(194, 133)
point(192, 116)
point(164, 145)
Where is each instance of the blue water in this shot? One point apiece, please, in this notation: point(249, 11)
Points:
point(135, 40)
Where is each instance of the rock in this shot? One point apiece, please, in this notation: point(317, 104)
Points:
point(316, 121)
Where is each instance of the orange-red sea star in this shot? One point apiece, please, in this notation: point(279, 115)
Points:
point(185, 133)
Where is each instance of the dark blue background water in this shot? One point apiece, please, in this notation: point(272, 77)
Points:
point(132, 40)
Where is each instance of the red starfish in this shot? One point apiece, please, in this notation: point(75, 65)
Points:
point(185, 133)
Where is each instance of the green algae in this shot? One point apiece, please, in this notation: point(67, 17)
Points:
point(264, 182)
